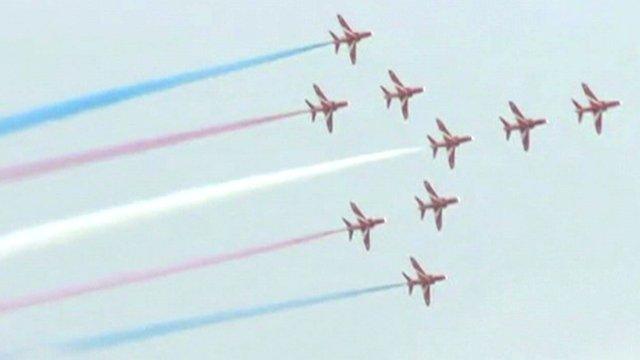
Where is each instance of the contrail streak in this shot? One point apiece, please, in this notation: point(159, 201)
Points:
point(133, 277)
point(65, 108)
point(41, 167)
point(168, 327)
point(67, 229)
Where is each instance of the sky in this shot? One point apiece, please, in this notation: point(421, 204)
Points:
point(540, 255)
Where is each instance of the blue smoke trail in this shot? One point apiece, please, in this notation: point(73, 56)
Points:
point(103, 98)
point(168, 327)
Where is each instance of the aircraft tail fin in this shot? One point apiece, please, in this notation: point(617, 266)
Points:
point(336, 41)
point(349, 227)
point(507, 129)
point(387, 95)
point(579, 109)
point(312, 109)
point(421, 206)
point(434, 145)
point(409, 282)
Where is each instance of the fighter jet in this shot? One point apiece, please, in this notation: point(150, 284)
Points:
point(403, 93)
point(423, 279)
point(449, 142)
point(523, 124)
point(596, 106)
point(364, 224)
point(327, 107)
point(351, 38)
point(437, 204)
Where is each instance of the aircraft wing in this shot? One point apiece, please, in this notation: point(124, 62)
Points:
point(405, 108)
point(442, 127)
point(525, 139)
point(452, 157)
point(426, 293)
point(352, 52)
point(367, 239)
point(395, 79)
point(438, 214)
point(344, 24)
point(357, 211)
point(598, 122)
point(590, 95)
point(515, 110)
point(430, 189)
point(417, 267)
point(319, 92)
point(330, 121)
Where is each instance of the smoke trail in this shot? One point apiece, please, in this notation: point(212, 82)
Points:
point(168, 327)
point(65, 229)
point(104, 98)
point(133, 277)
point(36, 168)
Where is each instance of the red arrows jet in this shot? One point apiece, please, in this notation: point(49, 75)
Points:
point(523, 124)
point(351, 38)
point(365, 224)
point(327, 107)
point(403, 93)
point(596, 106)
point(438, 204)
point(449, 142)
point(423, 279)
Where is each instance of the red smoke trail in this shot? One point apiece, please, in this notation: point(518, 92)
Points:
point(40, 167)
point(147, 275)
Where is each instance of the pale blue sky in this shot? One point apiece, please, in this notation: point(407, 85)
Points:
point(541, 255)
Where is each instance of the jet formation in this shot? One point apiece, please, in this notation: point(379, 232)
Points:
point(449, 143)
point(596, 106)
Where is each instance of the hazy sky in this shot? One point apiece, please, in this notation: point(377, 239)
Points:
point(540, 256)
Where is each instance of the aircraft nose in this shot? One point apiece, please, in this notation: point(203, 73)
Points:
point(471, 138)
point(457, 199)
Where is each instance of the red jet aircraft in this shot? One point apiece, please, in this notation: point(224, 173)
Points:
point(327, 107)
point(596, 106)
point(523, 124)
point(403, 93)
point(365, 224)
point(424, 280)
point(449, 142)
point(351, 38)
point(438, 204)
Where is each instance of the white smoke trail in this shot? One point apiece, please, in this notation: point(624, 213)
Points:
point(67, 229)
